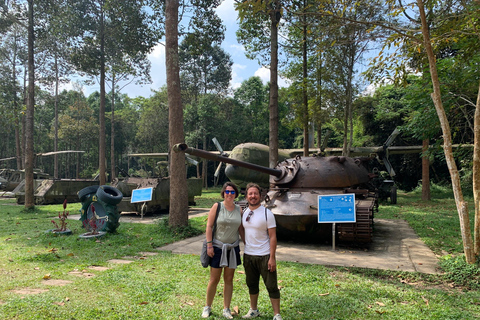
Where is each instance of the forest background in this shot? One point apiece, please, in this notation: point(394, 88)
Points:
point(213, 108)
point(320, 46)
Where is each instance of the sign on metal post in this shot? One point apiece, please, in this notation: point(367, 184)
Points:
point(337, 208)
point(142, 195)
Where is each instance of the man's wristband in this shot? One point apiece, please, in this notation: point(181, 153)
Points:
point(209, 247)
point(209, 241)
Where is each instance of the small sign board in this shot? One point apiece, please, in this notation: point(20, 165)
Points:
point(141, 195)
point(336, 208)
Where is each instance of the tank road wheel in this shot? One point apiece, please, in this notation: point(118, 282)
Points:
point(109, 195)
point(82, 194)
point(393, 195)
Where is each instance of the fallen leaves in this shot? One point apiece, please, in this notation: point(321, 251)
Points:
point(425, 300)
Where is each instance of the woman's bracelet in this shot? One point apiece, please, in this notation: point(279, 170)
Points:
point(209, 247)
point(209, 241)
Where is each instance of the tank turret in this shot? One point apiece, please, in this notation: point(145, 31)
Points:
point(295, 186)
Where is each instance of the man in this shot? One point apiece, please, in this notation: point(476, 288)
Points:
point(260, 237)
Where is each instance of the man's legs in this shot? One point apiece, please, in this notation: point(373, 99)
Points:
point(271, 283)
point(275, 305)
point(254, 301)
point(252, 277)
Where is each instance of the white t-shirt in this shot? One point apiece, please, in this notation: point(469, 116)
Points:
point(257, 241)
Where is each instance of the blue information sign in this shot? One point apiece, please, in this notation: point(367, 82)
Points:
point(141, 195)
point(336, 208)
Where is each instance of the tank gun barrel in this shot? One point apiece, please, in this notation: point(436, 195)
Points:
point(181, 147)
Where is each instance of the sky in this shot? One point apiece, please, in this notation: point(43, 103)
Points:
point(242, 68)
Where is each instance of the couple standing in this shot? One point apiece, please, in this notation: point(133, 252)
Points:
point(257, 228)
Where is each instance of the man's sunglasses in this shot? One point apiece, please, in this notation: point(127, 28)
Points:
point(229, 191)
point(249, 215)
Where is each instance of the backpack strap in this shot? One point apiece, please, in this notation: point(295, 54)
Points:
point(245, 210)
point(215, 223)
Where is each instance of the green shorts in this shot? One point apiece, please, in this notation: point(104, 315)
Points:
point(256, 266)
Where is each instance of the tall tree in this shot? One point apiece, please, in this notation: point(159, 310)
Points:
point(53, 65)
point(100, 25)
point(425, 29)
point(178, 214)
point(29, 148)
point(13, 49)
point(350, 42)
point(261, 43)
point(447, 144)
point(204, 66)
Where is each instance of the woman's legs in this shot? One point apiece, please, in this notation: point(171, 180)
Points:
point(215, 274)
point(228, 286)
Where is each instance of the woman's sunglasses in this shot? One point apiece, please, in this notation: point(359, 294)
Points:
point(229, 191)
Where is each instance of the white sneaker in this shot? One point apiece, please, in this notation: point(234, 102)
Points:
point(206, 312)
point(277, 317)
point(227, 313)
point(251, 314)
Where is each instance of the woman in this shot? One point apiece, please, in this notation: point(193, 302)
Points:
point(223, 247)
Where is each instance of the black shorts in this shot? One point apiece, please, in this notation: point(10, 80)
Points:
point(256, 266)
point(215, 261)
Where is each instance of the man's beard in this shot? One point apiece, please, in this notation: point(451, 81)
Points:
point(253, 202)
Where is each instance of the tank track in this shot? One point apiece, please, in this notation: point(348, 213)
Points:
point(362, 230)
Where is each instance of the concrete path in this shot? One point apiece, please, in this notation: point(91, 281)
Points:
point(395, 246)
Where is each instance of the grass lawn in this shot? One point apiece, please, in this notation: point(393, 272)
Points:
point(43, 276)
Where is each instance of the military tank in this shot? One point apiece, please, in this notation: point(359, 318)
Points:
point(295, 185)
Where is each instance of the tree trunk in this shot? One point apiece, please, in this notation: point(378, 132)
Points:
point(425, 171)
point(178, 215)
point(29, 152)
point(462, 206)
point(306, 139)
point(18, 148)
point(23, 144)
point(112, 133)
point(55, 139)
point(204, 164)
point(198, 167)
point(275, 16)
point(102, 136)
point(318, 112)
point(476, 176)
point(348, 125)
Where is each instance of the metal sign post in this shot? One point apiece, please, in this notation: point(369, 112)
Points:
point(337, 208)
point(142, 195)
